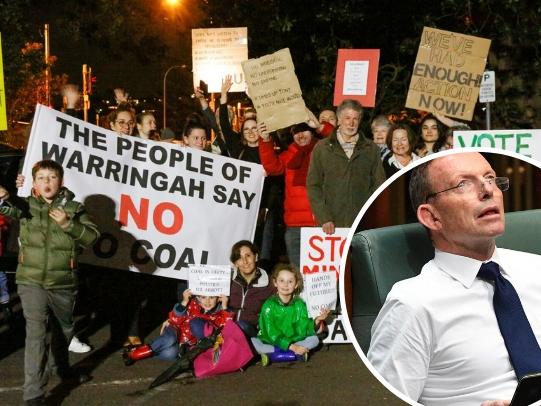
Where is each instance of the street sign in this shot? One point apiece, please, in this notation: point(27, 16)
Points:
point(487, 92)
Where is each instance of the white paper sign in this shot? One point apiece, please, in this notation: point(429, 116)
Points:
point(217, 52)
point(337, 332)
point(209, 280)
point(525, 142)
point(355, 78)
point(320, 292)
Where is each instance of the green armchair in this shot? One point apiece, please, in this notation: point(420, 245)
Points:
point(380, 257)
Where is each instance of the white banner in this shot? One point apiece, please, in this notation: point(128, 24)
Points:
point(525, 142)
point(209, 280)
point(217, 52)
point(320, 262)
point(158, 206)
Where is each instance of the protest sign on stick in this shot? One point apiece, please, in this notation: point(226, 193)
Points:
point(217, 52)
point(356, 76)
point(447, 73)
point(275, 90)
point(209, 280)
point(159, 206)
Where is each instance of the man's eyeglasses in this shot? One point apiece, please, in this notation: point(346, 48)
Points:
point(467, 186)
point(123, 123)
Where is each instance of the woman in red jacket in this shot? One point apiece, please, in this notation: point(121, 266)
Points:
point(294, 163)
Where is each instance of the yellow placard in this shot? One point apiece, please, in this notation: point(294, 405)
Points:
point(447, 73)
point(275, 90)
point(3, 117)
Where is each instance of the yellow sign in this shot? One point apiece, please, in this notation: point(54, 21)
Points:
point(447, 73)
point(3, 119)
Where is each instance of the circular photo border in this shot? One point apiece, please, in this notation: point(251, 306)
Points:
point(342, 289)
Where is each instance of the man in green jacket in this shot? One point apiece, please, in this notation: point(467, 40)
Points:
point(345, 170)
point(53, 231)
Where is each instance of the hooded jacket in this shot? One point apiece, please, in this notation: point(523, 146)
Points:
point(48, 253)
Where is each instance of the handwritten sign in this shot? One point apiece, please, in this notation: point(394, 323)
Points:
point(447, 73)
point(217, 52)
point(356, 76)
point(320, 292)
point(275, 90)
point(209, 280)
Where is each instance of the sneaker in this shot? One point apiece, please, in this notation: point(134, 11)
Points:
point(78, 346)
point(264, 360)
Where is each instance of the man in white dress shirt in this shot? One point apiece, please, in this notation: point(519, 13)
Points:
point(437, 339)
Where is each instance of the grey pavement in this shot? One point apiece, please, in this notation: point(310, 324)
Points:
point(333, 376)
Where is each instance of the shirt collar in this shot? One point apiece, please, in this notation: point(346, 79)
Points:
point(463, 269)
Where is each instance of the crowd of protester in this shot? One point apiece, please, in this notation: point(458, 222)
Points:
point(319, 173)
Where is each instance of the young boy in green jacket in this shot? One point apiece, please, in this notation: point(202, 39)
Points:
point(53, 231)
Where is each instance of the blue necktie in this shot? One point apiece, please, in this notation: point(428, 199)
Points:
point(517, 333)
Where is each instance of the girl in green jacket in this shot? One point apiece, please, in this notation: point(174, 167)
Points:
point(286, 333)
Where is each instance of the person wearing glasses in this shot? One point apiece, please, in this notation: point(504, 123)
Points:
point(441, 337)
point(122, 120)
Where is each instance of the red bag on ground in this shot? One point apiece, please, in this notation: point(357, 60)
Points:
point(230, 353)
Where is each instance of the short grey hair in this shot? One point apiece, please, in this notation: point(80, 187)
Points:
point(350, 104)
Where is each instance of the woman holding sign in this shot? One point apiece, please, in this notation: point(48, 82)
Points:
point(294, 164)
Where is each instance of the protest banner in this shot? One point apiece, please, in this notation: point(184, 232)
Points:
point(447, 73)
point(3, 116)
point(320, 256)
point(525, 142)
point(217, 52)
point(275, 90)
point(158, 206)
point(356, 76)
point(209, 280)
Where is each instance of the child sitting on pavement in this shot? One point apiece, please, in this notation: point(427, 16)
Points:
point(186, 324)
point(286, 333)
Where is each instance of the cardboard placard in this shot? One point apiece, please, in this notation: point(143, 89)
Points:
point(275, 90)
point(447, 73)
point(217, 52)
point(356, 76)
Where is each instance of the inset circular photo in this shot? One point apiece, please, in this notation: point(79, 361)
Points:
point(442, 281)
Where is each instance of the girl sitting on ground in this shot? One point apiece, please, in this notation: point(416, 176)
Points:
point(286, 333)
point(186, 325)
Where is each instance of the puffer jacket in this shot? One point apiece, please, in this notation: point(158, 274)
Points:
point(48, 253)
point(282, 324)
point(294, 162)
point(181, 316)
